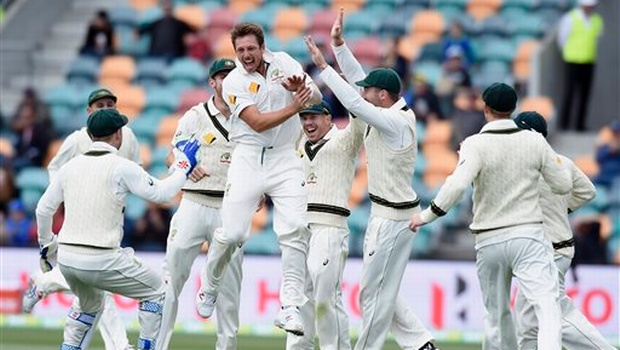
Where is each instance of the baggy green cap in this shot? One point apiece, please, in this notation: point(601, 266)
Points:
point(531, 120)
point(220, 65)
point(382, 78)
point(319, 108)
point(500, 97)
point(99, 94)
point(105, 122)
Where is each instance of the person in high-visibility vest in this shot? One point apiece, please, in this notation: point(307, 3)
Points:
point(579, 32)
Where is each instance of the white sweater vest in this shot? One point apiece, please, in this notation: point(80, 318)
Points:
point(390, 173)
point(330, 167)
point(93, 215)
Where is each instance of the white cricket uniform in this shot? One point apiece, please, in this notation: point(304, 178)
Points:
point(505, 163)
point(79, 142)
point(93, 187)
point(263, 163)
point(577, 331)
point(329, 167)
point(197, 218)
point(391, 148)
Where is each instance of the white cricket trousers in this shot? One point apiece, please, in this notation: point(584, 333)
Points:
point(525, 253)
point(255, 171)
point(387, 246)
point(577, 332)
point(327, 254)
point(191, 225)
point(110, 324)
point(90, 272)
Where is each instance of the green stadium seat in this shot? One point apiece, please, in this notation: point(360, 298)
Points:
point(149, 16)
point(526, 5)
point(530, 26)
point(431, 52)
point(161, 101)
point(297, 49)
point(186, 72)
point(145, 127)
point(135, 207)
point(31, 183)
point(123, 16)
point(499, 50)
point(151, 72)
point(381, 7)
point(429, 69)
point(360, 24)
point(261, 16)
point(454, 3)
point(84, 70)
point(394, 25)
point(263, 243)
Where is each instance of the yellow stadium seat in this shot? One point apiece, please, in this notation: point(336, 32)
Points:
point(441, 161)
point(131, 99)
point(121, 68)
point(167, 128)
point(142, 5)
point(438, 132)
point(6, 148)
point(521, 63)
point(481, 9)
point(540, 104)
point(587, 164)
point(290, 22)
point(242, 6)
point(51, 151)
point(348, 5)
point(145, 155)
point(428, 21)
point(192, 14)
point(223, 47)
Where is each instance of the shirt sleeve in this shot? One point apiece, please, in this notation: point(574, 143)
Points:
point(129, 177)
point(555, 173)
point(349, 65)
point(47, 206)
point(354, 135)
point(134, 147)
point(387, 121)
point(236, 96)
point(563, 30)
point(583, 189)
point(68, 149)
point(453, 189)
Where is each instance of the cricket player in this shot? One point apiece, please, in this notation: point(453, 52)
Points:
point(198, 214)
point(93, 187)
point(329, 155)
point(51, 281)
point(505, 163)
point(263, 93)
point(577, 331)
point(391, 148)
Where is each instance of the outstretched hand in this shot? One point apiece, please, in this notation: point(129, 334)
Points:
point(302, 97)
point(294, 83)
point(315, 54)
point(336, 32)
point(416, 221)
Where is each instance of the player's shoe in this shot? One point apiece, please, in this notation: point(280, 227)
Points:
point(429, 346)
point(205, 304)
point(31, 297)
point(290, 320)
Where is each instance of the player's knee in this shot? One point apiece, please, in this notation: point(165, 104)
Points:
point(77, 328)
point(228, 238)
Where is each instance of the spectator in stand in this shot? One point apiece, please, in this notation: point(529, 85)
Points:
point(393, 59)
point(466, 118)
point(608, 158)
point(169, 35)
point(7, 184)
point(590, 246)
point(454, 75)
point(19, 225)
point(33, 139)
point(151, 230)
point(42, 112)
point(99, 37)
point(425, 102)
point(455, 39)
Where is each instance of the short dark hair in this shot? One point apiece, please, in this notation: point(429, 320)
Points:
point(244, 29)
point(394, 96)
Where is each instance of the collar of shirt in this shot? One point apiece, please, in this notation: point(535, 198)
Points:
point(499, 125)
point(399, 104)
point(330, 133)
point(267, 57)
point(212, 110)
point(102, 146)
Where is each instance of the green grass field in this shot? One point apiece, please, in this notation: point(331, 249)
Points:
point(45, 339)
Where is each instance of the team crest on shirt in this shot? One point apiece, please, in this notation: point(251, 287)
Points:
point(276, 75)
point(253, 88)
point(232, 99)
point(208, 138)
point(300, 153)
point(311, 178)
point(225, 158)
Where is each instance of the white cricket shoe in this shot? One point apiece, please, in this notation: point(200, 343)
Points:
point(205, 304)
point(31, 297)
point(290, 320)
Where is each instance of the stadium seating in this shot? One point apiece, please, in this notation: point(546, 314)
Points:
point(142, 5)
point(348, 5)
point(117, 70)
point(84, 70)
point(192, 14)
point(151, 72)
point(540, 104)
point(289, 23)
point(321, 23)
point(186, 73)
point(368, 51)
point(190, 98)
point(31, 182)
